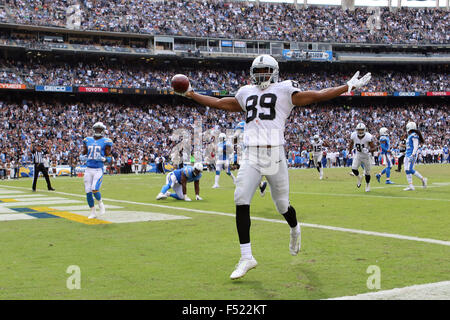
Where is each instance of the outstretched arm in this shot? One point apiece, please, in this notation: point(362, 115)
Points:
point(307, 97)
point(228, 104)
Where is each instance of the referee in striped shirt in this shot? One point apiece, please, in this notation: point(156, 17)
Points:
point(38, 159)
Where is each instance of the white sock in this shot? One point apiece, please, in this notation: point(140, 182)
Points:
point(296, 229)
point(216, 179)
point(234, 179)
point(418, 175)
point(246, 251)
point(409, 179)
point(93, 210)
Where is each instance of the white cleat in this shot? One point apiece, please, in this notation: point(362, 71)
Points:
point(424, 183)
point(295, 243)
point(215, 186)
point(368, 188)
point(243, 266)
point(93, 215)
point(101, 207)
point(358, 184)
point(161, 196)
point(409, 188)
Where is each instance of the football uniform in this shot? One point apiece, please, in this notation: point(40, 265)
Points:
point(362, 155)
point(385, 155)
point(317, 152)
point(224, 152)
point(264, 155)
point(412, 147)
point(173, 180)
point(93, 175)
point(239, 135)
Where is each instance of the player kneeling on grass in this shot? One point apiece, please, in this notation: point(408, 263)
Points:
point(412, 146)
point(98, 150)
point(266, 104)
point(362, 141)
point(178, 179)
point(386, 155)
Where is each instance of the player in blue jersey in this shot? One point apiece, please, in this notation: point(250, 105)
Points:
point(412, 149)
point(445, 155)
point(177, 181)
point(224, 151)
point(385, 155)
point(96, 150)
point(238, 136)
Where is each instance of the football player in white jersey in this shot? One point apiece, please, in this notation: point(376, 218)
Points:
point(362, 141)
point(267, 104)
point(318, 145)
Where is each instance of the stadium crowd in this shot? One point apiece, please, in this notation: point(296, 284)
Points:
point(141, 75)
point(142, 133)
point(239, 20)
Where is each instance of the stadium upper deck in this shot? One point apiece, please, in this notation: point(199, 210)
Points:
point(268, 21)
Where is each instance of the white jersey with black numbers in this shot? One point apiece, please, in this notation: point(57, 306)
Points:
point(361, 145)
point(317, 146)
point(267, 111)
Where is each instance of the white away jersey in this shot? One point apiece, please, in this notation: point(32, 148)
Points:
point(361, 143)
point(317, 146)
point(267, 111)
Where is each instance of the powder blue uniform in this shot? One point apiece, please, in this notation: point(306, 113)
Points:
point(96, 151)
point(386, 158)
point(385, 145)
point(93, 175)
point(412, 146)
point(173, 181)
point(445, 154)
point(188, 172)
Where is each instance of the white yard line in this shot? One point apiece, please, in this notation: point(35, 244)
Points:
point(434, 185)
point(365, 195)
point(429, 291)
point(309, 225)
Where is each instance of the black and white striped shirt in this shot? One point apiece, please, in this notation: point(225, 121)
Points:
point(38, 157)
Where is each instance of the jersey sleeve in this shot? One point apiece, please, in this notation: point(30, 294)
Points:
point(108, 142)
point(290, 87)
point(240, 97)
point(85, 141)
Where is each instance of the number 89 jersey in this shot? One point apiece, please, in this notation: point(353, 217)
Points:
point(96, 150)
point(267, 111)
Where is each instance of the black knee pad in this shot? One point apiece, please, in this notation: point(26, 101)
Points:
point(356, 172)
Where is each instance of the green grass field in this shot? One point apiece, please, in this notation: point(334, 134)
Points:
point(193, 258)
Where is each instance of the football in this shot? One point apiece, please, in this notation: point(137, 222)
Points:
point(180, 83)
